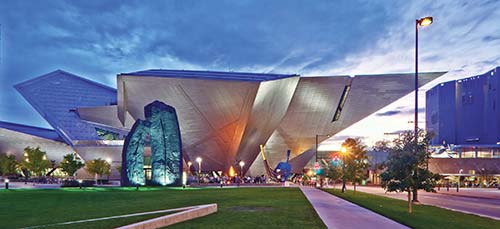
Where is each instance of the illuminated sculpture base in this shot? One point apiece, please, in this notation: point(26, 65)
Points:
point(161, 128)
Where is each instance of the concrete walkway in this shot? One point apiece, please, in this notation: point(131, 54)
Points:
point(338, 213)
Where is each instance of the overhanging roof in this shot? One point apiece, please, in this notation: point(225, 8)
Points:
point(32, 130)
point(215, 75)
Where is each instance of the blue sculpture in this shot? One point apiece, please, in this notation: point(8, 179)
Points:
point(133, 155)
point(284, 168)
point(162, 128)
point(166, 158)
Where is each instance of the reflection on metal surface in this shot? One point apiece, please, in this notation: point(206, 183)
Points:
point(311, 110)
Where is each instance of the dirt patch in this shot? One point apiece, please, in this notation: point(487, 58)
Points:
point(250, 209)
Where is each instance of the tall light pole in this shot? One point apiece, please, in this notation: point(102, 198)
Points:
point(343, 152)
point(242, 163)
point(425, 21)
point(198, 159)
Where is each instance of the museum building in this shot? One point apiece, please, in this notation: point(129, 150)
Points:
point(223, 117)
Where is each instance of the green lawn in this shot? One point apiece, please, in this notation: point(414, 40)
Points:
point(423, 216)
point(238, 207)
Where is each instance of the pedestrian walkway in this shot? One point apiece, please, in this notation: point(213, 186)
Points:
point(338, 213)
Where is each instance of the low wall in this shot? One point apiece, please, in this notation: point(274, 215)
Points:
point(163, 221)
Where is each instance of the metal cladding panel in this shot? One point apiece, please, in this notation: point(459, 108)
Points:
point(104, 115)
point(13, 143)
point(470, 110)
point(209, 75)
point(212, 113)
point(32, 130)
point(370, 93)
point(299, 162)
point(465, 111)
point(491, 132)
point(269, 107)
point(58, 94)
point(440, 113)
point(315, 102)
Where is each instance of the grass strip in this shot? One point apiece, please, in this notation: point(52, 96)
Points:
point(237, 207)
point(423, 216)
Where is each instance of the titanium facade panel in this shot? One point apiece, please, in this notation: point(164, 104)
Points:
point(314, 105)
point(58, 94)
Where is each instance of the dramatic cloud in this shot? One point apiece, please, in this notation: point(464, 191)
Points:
point(399, 111)
point(99, 39)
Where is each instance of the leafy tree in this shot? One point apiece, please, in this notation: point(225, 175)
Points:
point(70, 164)
point(406, 167)
point(356, 161)
point(8, 164)
point(35, 161)
point(333, 172)
point(382, 146)
point(98, 167)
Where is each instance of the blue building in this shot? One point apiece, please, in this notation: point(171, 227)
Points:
point(465, 111)
point(465, 118)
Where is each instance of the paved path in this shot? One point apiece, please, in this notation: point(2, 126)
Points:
point(338, 213)
point(483, 204)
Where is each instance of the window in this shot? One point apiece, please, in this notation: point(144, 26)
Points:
point(340, 106)
point(106, 134)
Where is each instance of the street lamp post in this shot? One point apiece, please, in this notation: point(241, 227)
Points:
point(189, 166)
point(6, 183)
point(343, 152)
point(242, 163)
point(459, 176)
point(198, 159)
point(425, 21)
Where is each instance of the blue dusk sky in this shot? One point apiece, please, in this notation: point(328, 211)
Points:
point(99, 39)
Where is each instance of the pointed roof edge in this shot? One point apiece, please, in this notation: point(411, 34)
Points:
point(41, 132)
point(41, 77)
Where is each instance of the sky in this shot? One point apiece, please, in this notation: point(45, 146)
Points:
point(99, 39)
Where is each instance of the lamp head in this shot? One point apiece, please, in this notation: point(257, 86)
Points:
point(343, 150)
point(198, 159)
point(6, 180)
point(190, 163)
point(425, 21)
point(242, 163)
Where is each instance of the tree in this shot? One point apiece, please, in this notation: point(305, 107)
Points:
point(382, 146)
point(35, 161)
point(406, 167)
point(98, 167)
point(8, 164)
point(333, 172)
point(70, 164)
point(356, 161)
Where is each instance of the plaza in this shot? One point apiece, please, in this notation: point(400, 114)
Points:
point(249, 114)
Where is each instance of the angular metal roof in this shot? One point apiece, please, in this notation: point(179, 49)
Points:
point(214, 75)
point(57, 95)
point(32, 130)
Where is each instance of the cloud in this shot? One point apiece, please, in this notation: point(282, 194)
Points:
point(99, 39)
point(400, 111)
point(389, 113)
